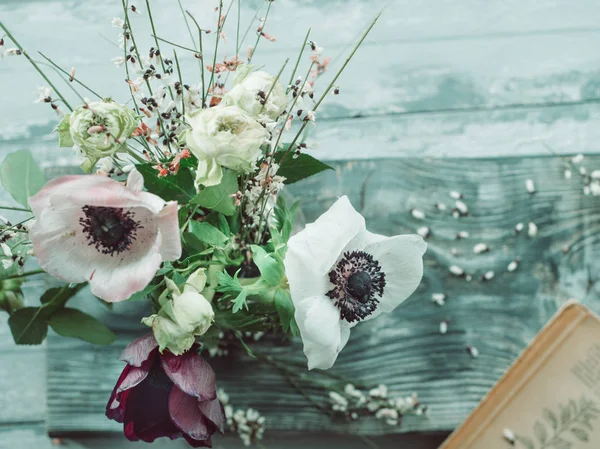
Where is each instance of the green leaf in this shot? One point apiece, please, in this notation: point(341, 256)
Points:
point(64, 132)
point(207, 233)
point(285, 308)
point(229, 285)
point(218, 198)
point(143, 294)
point(239, 302)
point(179, 187)
point(21, 176)
point(565, 414)
point(551, 418)
point(296, 169)
point(581, 434)
point(285, 218)
point(240, 321)
point(525, 442)
point(271, 270)
point(76, 324)
point(29, 326)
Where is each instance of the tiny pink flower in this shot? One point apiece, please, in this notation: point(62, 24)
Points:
point(97, 230)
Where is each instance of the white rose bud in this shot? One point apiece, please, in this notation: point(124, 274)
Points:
point(223, 136)
point(257, 93)
point(98, 129)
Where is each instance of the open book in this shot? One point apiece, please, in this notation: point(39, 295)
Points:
point(549, 398)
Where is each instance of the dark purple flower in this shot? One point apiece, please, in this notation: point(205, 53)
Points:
point(164, 395)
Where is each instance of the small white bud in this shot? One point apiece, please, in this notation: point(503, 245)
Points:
point(578, 159)
point(439, 298)
point(509, 436)
point(481, 248)
point(456, 270)
point(568, 173)
point(530, 186)
point(455, 213)
point(456, 195)
point(418, 214)
point(462, 235)
point(443, 327)
point(532, 229)
point(455, 251)
point(468, 278)
point(586, 190)
point(424, 232)
point(488, 276)
point(582, 171)
point(519, 227)
point(595, 174)
point(462, 208)
point(513, 265)
point(440, 206)
point(473, 351)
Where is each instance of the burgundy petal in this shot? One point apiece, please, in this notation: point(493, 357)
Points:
point(198, 443)
point(213, 411)
point(186, 415)
point(147, 411)
point(130, 377)
point(191, 373)
point(139, 350)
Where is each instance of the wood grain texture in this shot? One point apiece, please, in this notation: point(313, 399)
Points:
point(478, 56)
point(405, 349)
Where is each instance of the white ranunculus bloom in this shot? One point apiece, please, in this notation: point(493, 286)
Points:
point(100, 129)
point(188, 314)
point(91, 228)
point(340, 274)
point(257, 93)
point(223, 136)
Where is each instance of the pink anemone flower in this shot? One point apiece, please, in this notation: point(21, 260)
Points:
point(91, 228)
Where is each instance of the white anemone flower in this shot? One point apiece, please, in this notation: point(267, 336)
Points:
point(340, 274)
point(91, 228)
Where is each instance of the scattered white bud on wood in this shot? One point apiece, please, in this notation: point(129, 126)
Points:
point(513, 265)
point(424, 232)
point(462, 208)
point(473, 351)
point(468, 278)
point(582, 171)
point(455, 213)
point(532, 229)
point(481, 248)
point(509, 436)
point(568, 173)
point(462, 235)
point(530, 186)
point(456, 195)
point(455, 251)
point(418, 214)
point(578, 159)
point(440, 206)
point(519, 227)
point(595, 174)
point(586, 190)
point(439, 298)
point(488, 276)
point(443, 327)
point(456, 270)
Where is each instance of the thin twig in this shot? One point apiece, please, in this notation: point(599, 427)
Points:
point(298, 60)
point(67, 73)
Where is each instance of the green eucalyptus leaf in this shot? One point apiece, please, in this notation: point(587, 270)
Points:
point(207, 233)
point(179, 187)
point(21, 176)
point(219, 198)
point(301, 167)
point(29, 326)
point(76, 324)
point(64, 132)
point(271, 270)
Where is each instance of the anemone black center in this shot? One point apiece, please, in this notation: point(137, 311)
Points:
point(358, 284)
point(109, 229)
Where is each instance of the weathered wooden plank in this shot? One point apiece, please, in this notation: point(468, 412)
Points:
point(405, 349)
point(420, 57)
point(32, 436)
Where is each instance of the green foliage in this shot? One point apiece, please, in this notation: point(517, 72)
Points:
point(284, 217)
point(285, 309)
point(240, 321)
point(29, 326)
point(218, 198)
point(64, 132)
point(143, 294)
point(301, 167)
point(228, 285)
point(271, 269)
point(239, 302)
point(74, 323)
point(21, 176)
point(207, 233)
point(179, 187)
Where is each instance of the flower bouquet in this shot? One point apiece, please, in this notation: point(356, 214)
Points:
point(182, 204)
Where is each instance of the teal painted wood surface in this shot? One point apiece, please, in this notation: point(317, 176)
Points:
point(436, 82)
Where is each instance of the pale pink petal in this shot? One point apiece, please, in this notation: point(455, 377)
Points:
point(135, 181)
point(168, 224)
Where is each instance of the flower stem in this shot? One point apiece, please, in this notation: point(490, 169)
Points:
point(174, 44)
point(180, 82)
point(260, 33)
point(201, 58)
point(19, 209)
point(219, 27)
point(273, 85)
point(237, 32)
point(162, 63)
point(68, 74)
point(27, 273)
point(298, 61)
point(331, 84)
point(33, 63)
